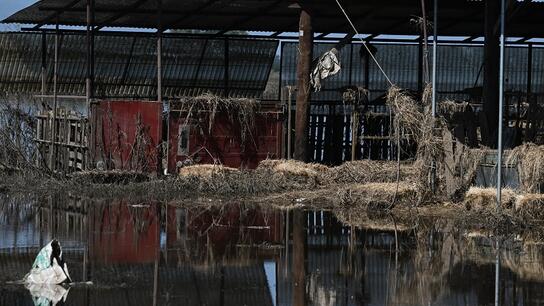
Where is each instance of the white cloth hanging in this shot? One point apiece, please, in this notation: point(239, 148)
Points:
point(327, 65)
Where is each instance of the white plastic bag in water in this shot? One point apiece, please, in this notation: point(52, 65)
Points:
point(47, 294)
point(49, 267)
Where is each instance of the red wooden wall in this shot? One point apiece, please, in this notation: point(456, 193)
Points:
point(116, 125)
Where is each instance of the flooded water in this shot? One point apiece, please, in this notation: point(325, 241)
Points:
point(168, 254)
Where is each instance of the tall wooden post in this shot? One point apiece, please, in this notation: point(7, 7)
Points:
point(491, 73)
point(306, 38)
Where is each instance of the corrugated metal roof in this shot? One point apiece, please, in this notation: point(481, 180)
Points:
point(459, 67)
point(383, 17)
point(125, 66)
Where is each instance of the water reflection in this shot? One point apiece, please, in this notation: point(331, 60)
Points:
point(236, 254)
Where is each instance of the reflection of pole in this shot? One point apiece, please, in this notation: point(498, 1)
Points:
point(299, 258)
point(501, 102)
point(497, 267)
point(157, 257)
point(286, 242)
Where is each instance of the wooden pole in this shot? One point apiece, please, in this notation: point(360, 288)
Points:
point(354, 132)
point(306, 37)
point(289, 122)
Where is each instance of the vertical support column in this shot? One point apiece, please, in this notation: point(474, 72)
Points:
point(41, 126)
point(88, 156)
point(433, 88)
point(226, 79)
point(289, 121)
point(501, 102)
point(529, 72)
point(306, 38)
point(52, 146)
point(491, 73)
point(164, 160)
point(435, 49)
point(89, 79)
point(159, 66)
point(44, 64)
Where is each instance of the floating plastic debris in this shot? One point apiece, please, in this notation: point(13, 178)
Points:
point(49, 266)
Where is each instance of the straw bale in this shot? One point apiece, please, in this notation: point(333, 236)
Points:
point(293, 167)
point(530, 206)
point(205, 170)
point(477, 198)
point(367, 171)
point(530, 160)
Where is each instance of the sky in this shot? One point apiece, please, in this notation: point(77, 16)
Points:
point(8, 7)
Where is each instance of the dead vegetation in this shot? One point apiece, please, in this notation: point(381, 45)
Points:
point(530, 163)
point(530, 206)
point(109, 177)
point(480, 199)
point(18, 151)
point(205, 108)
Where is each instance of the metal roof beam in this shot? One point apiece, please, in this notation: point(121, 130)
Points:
point(259, 13)
point(119, 15)
point(56, 14)
point(196, 11)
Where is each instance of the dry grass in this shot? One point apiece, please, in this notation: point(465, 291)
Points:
point(240, 111)
point(530, 206)
point(205, 170)
point(293, 167)
point(367, 171)
point(109, 177)
point(530, 160)
point(480, 199)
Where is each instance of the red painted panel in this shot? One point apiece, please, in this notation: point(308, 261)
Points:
point(224, 142)
point(127, 134)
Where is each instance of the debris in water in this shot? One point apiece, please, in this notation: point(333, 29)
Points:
point(47, 294)
point(49, 266)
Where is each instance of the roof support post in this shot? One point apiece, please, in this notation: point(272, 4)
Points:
point(491, 74)
point(52, 145)
point(165, 148)
point(306, 37)
point(89, 79)
point(433, 80)
point(529, 73)
point(501, 103)
point(435, 49)
point(44, 64)
point(226, 72)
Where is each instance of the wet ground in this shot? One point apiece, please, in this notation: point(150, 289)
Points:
point(235, 254)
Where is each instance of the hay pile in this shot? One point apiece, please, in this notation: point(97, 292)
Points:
point(530, 161)
point(376, 196)
point(413, 120)
point(368, 171)
point(530, 206)
point(207, 170)
point(481, 199)
point(293, 167)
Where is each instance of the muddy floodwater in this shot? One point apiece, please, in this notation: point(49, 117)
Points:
point(235, 254)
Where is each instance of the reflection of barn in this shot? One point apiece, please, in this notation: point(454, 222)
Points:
point(232, 257)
